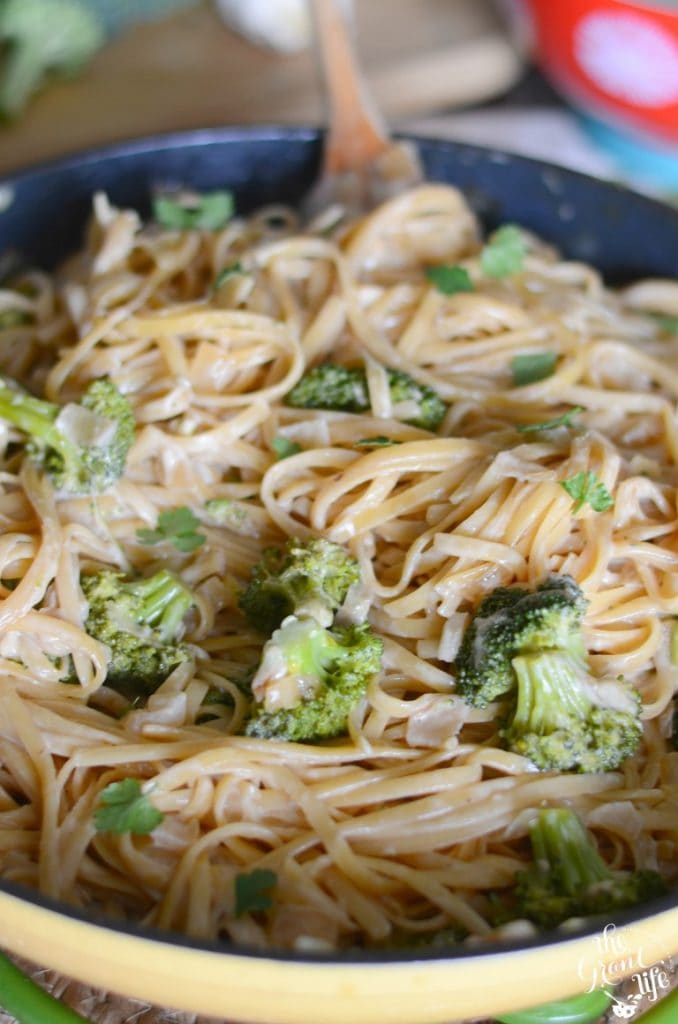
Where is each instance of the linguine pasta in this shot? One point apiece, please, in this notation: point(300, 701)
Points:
point(401, 827)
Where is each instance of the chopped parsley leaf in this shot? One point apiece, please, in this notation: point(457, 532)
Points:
point(176, 525)
point(225, 273)
point(533, 366)
point(253, 891)
point(449, 279)
point(560, 421)
point(376, 442)
point(674, 644)
point(124, 808)
point(504, 253)
point(283, 447)
point(586, 488)
point(14, 318)
point(210, 211)
point(667, 324)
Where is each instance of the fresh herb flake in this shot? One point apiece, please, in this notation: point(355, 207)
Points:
point(587, 489)
point(223, 275)
point(210, 211)
point(124, 808)
point(504, 253)
point(283, 447)
point(667, 324)
point(253, 891)
point(674, 643)
point(560, 421)
point(14, 318)
point(376, 442)
point(532, 366)
point(176, 525)
point(449, 279)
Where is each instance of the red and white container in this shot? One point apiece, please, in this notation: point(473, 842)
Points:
point(617, 62)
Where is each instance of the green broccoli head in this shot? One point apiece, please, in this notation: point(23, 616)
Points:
point(430, 407)
point(513, 621)
point(323, 673)
point(331, 386)
point(569, 878)
point(42, 37)
point(81, 446)
point(141, 621)
point(305, 576)
point(566, 721)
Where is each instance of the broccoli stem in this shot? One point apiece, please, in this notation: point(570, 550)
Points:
point(35, 418)
point(560, 843)
point(29, 1003)
point(165, 601)
point(547, 698)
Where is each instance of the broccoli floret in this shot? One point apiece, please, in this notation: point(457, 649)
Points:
point(305, 576)
point(141, 621)
point(566, 721)
point(82, 447)
point(39, 37)
point(569, 878)
point(322, 672)
point(529, 645)
point(513, 621)
point(331, 386)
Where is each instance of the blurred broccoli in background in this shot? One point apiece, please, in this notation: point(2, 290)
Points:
point(331, 386)
point(57, 38)
point(141, 622)
point(42, 37)
point(569, 878)
point(82, 446)
point(115, 15)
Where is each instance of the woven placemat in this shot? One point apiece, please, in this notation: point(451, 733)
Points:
point(103, 1008)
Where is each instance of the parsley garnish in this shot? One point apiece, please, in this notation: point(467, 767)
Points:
point(504, 253)
point(283, 447)
point(586, 488)
point(223, 275)
point(560, 421)
point(533, 366)
point(376, 442)
point(210, 211)
point(253, 891)
point(176, 525)
point(14, 318)
point(674, 645)
point(124, 808)
point(449, 279)
point(667, 324)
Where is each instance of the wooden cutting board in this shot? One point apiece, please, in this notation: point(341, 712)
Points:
point(190, 71)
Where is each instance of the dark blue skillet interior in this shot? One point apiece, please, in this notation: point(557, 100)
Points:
point(624, 234)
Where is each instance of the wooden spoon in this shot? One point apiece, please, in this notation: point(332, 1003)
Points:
point(362, 165)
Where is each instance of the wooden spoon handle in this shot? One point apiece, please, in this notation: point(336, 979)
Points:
point(357, 133)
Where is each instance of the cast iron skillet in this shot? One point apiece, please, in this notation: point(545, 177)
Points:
point(626, 236)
